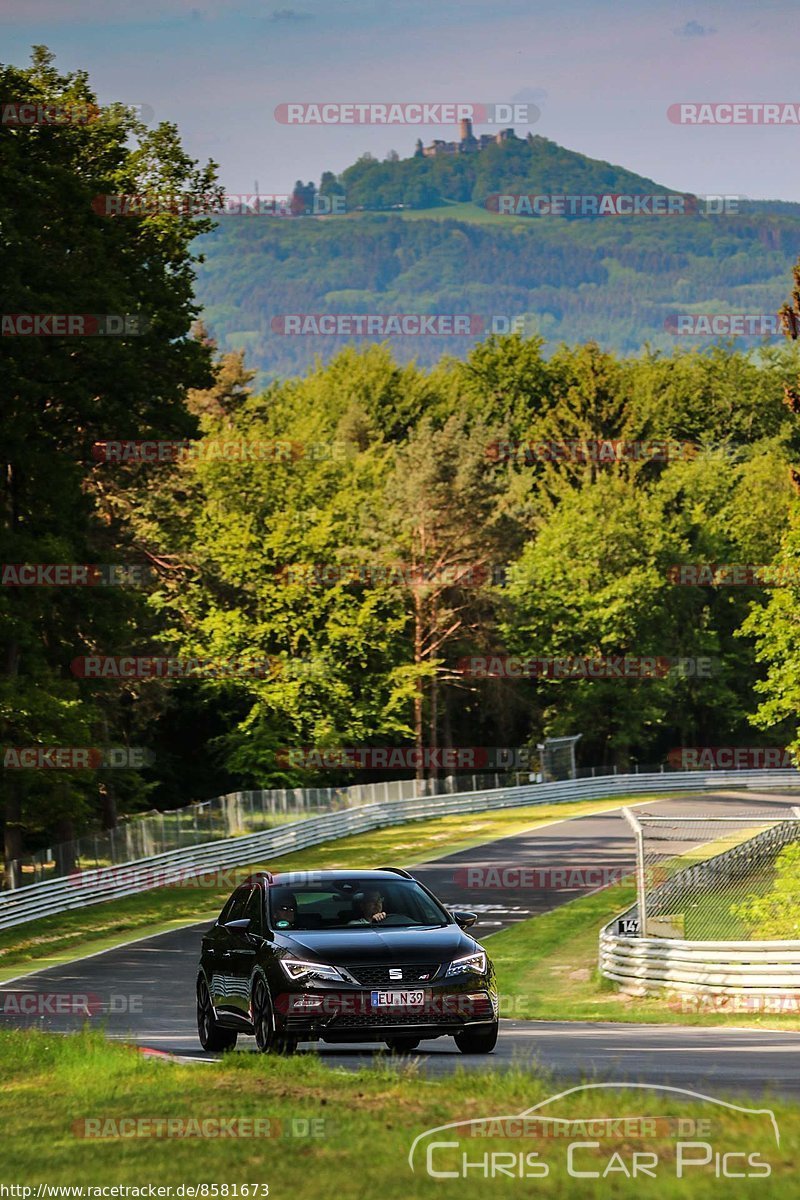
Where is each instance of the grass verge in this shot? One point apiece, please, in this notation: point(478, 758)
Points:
point(547, 971)
point(362, 1122)
point(51, 940)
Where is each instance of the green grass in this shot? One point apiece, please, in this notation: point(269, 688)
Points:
point(463, 211)
point(547, 970)
point(709, 917)
point(366, 1123)
point(65, 936)
point(706, 916)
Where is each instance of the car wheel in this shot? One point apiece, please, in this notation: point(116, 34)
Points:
point(213, 1036)
point(402, 1045)
point(478, 1041)
point(267, 1040)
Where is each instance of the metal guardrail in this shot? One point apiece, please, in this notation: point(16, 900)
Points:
point(645, 965)
point(232, 815)
point(87, 888)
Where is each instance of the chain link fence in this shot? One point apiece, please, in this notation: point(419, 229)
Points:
point(718, 878)
point(239, 813)
point(234, 815)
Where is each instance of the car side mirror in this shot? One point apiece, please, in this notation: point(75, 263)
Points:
point(464, 919)
point(240, 926)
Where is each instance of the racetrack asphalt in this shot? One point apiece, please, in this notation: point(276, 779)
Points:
point(143, 992)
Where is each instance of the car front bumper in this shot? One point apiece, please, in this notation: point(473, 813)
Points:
point(351, 1015)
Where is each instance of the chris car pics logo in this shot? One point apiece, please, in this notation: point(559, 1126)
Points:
point(673, 1133)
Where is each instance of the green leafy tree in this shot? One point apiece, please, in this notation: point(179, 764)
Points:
point(59, 254)
point(776, 913)
point(593, 584)
point(449, 530)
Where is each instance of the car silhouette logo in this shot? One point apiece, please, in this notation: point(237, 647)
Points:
point(395, 973)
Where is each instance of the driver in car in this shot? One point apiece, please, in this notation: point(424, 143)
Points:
point(284, 906)
point(369, 907)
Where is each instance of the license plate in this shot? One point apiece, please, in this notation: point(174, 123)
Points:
point(397, 999)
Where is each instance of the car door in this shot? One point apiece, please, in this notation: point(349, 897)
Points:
point(219, 947)
point(244, 946)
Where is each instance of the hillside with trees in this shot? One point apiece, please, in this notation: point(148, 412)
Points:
point(376, 537)
point(417, 237)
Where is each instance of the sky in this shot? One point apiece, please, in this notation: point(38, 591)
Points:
point(602, 73)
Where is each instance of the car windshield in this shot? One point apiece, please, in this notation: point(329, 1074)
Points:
point(354, 903)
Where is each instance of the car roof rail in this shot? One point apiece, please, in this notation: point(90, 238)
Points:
point(396, 871)
point(258, 877)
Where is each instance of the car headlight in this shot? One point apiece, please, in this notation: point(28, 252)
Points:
point(298, 969)
point(470, 962)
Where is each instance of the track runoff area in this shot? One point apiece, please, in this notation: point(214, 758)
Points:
point(144, 992)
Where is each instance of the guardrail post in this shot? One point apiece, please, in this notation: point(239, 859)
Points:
point(641, 897)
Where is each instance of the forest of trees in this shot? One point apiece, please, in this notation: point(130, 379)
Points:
point(618, 281)
point(306, 545)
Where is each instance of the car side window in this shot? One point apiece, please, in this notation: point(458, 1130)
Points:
point(234, 909)
point(254, 910)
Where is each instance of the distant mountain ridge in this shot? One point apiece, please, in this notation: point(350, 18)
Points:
point(622, 280)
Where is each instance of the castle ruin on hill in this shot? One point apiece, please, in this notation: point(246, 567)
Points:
point(467, 143)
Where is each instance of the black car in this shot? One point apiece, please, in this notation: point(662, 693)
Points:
point(345, 956)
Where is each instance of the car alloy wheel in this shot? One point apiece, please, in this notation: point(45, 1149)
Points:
point(267, 1040)
point(478, 1041)
point(212, 1035)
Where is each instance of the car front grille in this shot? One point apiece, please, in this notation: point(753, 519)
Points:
point(377, 974)
point(403, 1021)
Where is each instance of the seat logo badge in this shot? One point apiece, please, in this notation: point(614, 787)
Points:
point(395, 973)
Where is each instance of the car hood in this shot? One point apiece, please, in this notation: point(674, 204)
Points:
point(364, 944)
